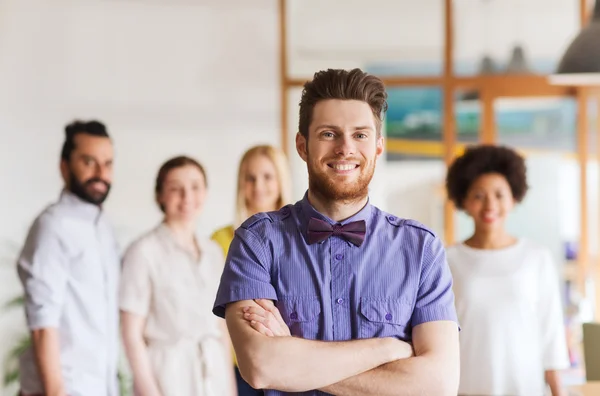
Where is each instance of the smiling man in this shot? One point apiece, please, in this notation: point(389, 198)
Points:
point(363, 300)
point(69, 268)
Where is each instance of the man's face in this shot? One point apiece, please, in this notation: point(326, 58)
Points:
point(88, 172)
point(342, 149)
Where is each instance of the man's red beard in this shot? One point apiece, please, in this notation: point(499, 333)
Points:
point(323, 185)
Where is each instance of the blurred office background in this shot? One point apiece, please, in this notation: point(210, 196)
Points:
point(210, 78)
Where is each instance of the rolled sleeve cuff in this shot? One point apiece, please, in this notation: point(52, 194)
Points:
point(558, 358)
point(227, 296)
point(433, 314)
point(41, 320)
point(134, 308)
point(557, 365)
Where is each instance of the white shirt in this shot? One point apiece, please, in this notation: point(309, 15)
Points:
point(69, 268)
point(174, 292)
point(509, 307)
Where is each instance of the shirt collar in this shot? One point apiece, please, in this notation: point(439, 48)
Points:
point(167, 235)
point(308, 211)
point(85, 209)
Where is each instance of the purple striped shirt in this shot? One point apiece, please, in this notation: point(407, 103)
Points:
point(333, 290)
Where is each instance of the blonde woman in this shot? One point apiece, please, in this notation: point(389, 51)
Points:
point(263, 185)
point(175, 346)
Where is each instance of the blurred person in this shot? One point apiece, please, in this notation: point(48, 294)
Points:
point(174, 345)
point(263, 186)
point(506, 287)
point(69, 268)
point(331, 294)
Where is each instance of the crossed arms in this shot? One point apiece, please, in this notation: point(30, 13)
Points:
point(269, 358)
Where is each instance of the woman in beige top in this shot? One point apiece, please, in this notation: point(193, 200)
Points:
point(174, 344)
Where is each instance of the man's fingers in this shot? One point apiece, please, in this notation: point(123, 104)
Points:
point(250, 316)
point(262, 329)
point(257, 311)
point(268, 305)
point(270, 311)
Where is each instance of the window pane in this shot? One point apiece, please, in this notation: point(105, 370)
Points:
point(593, 107)
point(467, 110)
point(415, 190)
point(413, 123)
point(547, 124)
point(401, 37)
point(512, 36)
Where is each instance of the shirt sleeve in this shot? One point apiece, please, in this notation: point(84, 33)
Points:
point(435, 298)
point(246, 275)
point(135, 285)
point(552, 326)
point(43, 268)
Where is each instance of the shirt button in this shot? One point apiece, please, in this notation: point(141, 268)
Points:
point(339, 300)
point(339, 256)
point(388, 316)
point(392, 218)
point(294, 315)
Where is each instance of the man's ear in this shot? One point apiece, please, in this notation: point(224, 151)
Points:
point(64, 170)
point(380, 146)
point(301, 148)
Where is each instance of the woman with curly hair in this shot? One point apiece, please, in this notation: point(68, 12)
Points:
point(506, 288)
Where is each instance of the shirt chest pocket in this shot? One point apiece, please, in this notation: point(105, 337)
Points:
point(301, 315)
point(385, 318)
point(86, 268)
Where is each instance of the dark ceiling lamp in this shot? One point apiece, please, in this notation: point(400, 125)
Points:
point(518, 64)
point(487, 66)
point(580, 65)
point(518, 61)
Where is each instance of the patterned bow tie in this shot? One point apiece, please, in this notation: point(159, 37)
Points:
point(319, 230)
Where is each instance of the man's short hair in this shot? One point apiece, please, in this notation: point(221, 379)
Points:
point(344, 85)
point(93, 128)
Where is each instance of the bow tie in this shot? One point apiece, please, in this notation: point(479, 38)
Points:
point(319, 230)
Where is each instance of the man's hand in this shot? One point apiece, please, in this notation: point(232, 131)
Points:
point(266, 319)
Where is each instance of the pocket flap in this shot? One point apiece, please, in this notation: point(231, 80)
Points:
point(302, 309)
point(393, 311)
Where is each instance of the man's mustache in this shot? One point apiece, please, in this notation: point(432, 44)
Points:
point(96, 180)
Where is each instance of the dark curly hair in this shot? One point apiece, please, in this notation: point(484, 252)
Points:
point(92, 128)
point(485, 159)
